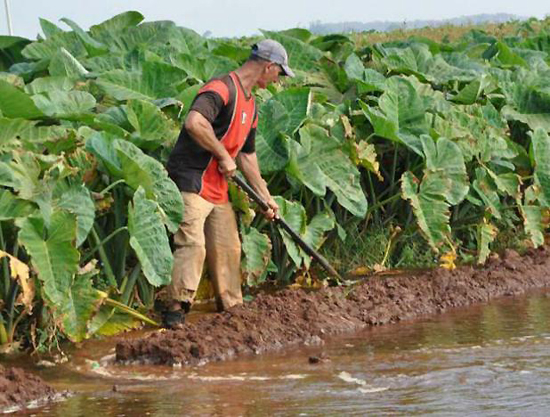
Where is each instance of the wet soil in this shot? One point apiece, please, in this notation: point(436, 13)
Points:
point(18, 388)
point(297, 317)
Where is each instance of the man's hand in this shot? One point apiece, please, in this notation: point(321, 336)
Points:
point(227, 167)
point(273, 212)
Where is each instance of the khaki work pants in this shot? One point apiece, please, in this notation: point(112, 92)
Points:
point(208, 231)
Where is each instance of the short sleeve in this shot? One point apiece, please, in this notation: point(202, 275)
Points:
point(211, 98)
point(250, 143)
point(209, 104)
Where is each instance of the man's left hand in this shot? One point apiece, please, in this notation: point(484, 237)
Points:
point(273, 212)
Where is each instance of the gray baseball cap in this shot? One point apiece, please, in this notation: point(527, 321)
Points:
point(273, 51)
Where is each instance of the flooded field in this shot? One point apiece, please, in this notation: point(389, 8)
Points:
point(492, 359)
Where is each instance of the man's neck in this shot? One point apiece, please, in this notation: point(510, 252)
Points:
point(248, 77)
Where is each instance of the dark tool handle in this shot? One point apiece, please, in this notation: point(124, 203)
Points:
point(281, 222)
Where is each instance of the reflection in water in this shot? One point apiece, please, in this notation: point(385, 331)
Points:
point(485, 360)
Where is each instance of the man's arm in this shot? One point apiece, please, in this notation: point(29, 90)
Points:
point(202, 132)
point(248, 164)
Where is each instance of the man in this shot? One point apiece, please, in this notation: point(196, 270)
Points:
point(219, 131)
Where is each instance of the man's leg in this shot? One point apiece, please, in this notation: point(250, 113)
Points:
point(190, 251)
point(223, 255)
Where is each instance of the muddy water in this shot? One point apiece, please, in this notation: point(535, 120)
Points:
point(484, 360)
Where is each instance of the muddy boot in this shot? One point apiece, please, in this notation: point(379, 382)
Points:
point(173, 319)
point(173, 314)
point(185, 306)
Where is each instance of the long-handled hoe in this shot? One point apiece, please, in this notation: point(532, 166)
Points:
point(285, 226)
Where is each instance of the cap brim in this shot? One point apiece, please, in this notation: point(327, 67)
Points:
point(288, 72)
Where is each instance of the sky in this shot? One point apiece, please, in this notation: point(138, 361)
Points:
point(228, 18)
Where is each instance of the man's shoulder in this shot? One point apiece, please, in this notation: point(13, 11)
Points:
point(222, 85)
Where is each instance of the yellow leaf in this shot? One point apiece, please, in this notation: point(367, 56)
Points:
point(447, 260)
point(360, 271)
point(20, 270)
point(365, 155)
point(348, 130)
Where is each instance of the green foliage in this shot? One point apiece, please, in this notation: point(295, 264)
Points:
point(148, 238)
point(376, 153)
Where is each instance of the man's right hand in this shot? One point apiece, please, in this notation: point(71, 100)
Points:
point(227, 167)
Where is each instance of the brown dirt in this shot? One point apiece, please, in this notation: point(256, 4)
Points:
point(18, 388)
point(293, 317)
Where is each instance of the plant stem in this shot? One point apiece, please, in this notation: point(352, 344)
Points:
point(3, 332)
point(383, 203)
point(129, 283)
point(373, 196)
point(111, 186)
point(10, 307)
point(128, 310)
point(103, 242)
point(104, 259)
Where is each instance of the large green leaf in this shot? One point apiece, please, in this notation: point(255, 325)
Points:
point(147, 35)
point(116, 24)
point(110, 321)
point(48, 84)
point(77, 200)
point(139, 169)
point(10, 51)
point(444, 158)
point(401, 113)
point(541, 153)
point(65, 104)
point(528, 99)
point(92, 46)
point(125, 160)
point(81, 303)
point(48, 28)
point(55, 258)
point(532, 220)
point(367, 79)
point(256, 248)
point(312, 233)
point(284, 113)
point(63, 64)
point(302, 56)
point(487, 192)
point(22, 174)
point(151, 128)
point(188, 41)
point(486, 234)
point(319, 162)
point(12, 207)
point(15, 103)
point(203, 69)
point(417, 59)
point(156, 80)
point(429, 206)
point(149, 240)
point(46, 49)
point(101, 144)
point(52, 251)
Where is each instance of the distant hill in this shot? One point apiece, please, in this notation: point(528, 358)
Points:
point(320, 28)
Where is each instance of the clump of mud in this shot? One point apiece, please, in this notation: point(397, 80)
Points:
point(18, 388)
point(293, 317)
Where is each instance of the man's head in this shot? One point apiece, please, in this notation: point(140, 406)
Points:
point(271, 56)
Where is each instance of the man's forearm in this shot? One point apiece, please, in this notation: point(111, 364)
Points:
point(248, 164)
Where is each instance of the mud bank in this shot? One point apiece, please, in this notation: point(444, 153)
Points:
point(292, 317)
point(18, 388)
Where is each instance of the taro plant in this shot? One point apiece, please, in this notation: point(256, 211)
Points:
point(432, 144)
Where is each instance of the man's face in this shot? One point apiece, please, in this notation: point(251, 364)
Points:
point(271, 74)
